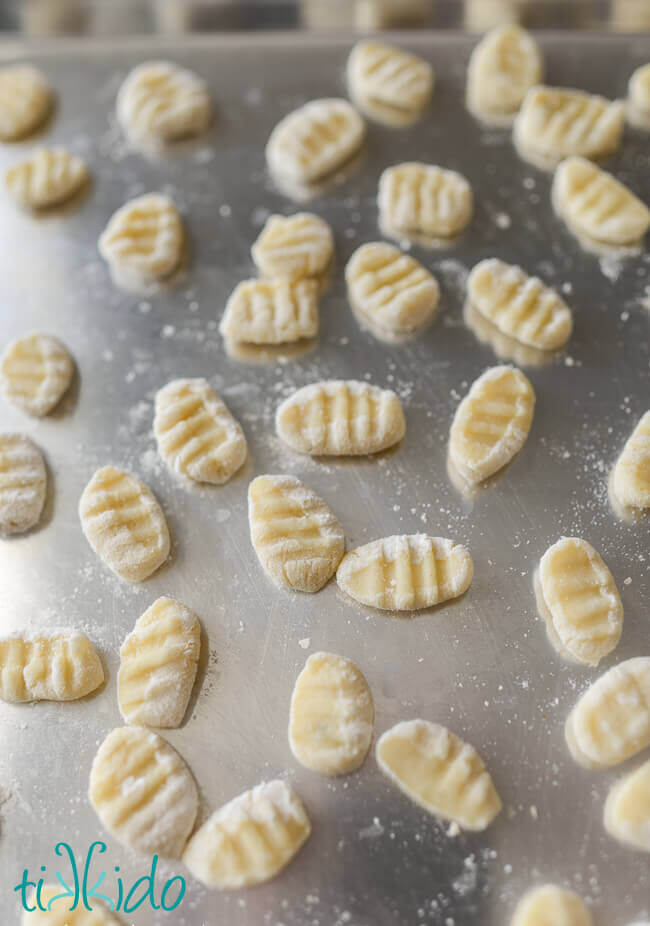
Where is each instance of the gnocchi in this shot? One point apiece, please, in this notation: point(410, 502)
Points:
point(382, 73)
point(631, 480)
point(57, 911)
point(35, 373)
point(505, 64)
point(48, 177)
point(26, 100)
point(48, 666)
point(424, 199)
point(143, 241)
point(294, 246)
point(277, 311)
point(627, 809)
point(23, 484)
point(550, 905)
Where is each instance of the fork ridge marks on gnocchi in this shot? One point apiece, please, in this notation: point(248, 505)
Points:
point(161, 102)
point(585, 613)
point(314, 140)
point(406, 572)
point(391, 289)
point(424, 199)
point(297, 539)
point(550, 905)
point(48, 177)
point(611, 721)
point(294, 246)
point(632, 469)
point(25, 101)
point(595, 204)
point(196, 434)
point(440, 772)
point(143, 792)
point(277, 311)
point(59, 914)
point(143, 240)
point(250, 839)
point(331, 716)
point(520, 306)
point(23, 484)
point(340, 418)
point(158, 662)
point(124, 524)
point(35, 373)
point(385, 74)
point(627, 809)
point(48, 666)
point(504, 65)
point(491, 423)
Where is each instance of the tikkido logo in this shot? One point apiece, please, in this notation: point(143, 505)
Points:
point(77, 887)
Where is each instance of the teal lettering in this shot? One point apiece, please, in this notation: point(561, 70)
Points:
point(181, 892)
point(128, 907)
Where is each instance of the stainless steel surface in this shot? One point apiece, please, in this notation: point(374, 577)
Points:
point(482, 665)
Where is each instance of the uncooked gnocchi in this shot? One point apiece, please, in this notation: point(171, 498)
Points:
point(143, 240)
point(381, 73)
point(48, 177)
point(297, 538)
point(639, 94)
point(441, 773)
point(23, 484)
point(250, 839)
point(425, 200)
point(627, 809)
point(277, 311)
point(35, 372)
point(632, 471)
point(196, 434)
point(406, 572)
point(294, 246)
point(503, 67)
point(550, 905)
point(58, 913)
point(48, 666)
point(158, 662)
point(25, 101)
point(124, 524)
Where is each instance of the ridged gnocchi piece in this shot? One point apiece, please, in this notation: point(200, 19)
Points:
point(161, 102)
point(491, 423)
point(595, 204)
point(584, 610)
point(48, 666)
point(385, 74)
point(314, 140)
point(48, 177)
point(632, 469)
point(627, 809)
point(250, 839)
point(23, 484)
point(197, 436)
point(340, 418)
point(293, 246)
point(59, 914)
point(124, 524)
point(277, 311)
point(441, 773)
point(143, 792)
point(520, 306)
point(406, 572)
point(35, 372)
point(611, 721)
point(424, 199)
point(550, 905)
point(331, 716)
point(639, 91)
point(144, 238)
point(503, 67)
point(25, 101)
point(298, 540)
point(158, 662)
point(554, 123)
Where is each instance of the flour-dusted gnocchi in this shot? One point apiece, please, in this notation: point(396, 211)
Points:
point(250, 839)
point(294, 246)
point(124, 524)
point(315, 140)
point(391, 289)
point(26, 100)
point(144, 239)
point(298, 540)
point(627, 809)
point(424, 199)
point(340, 418)
point(158, 662)
point(23, 484)
point(550, 905)
point(143, 792)
point(638, 95)
point(406, 572)
point(35, 372)
point(492, 423)
point(276, 311)
point(631, 481)
point(59, 665)
point(579, 601)
point(382, 73)
point(520, 306)
point(503, 67)
point(440, 772)
point(48, 177)
point(331, 717)
point(611, 721)
point(57, 911)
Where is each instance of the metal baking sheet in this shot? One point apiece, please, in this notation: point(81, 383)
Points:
point(483, 665)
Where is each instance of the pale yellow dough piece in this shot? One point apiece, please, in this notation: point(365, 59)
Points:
point(277, 311)
point(297, 538)
point(520, 306)
point(406, 572)
point(424, 199)
point(35, 372)
point(48, 177)
point(124, 524)
point(340, 418)
point(585, 613)
point(294, 246)
point(196, 434)
point(550, 905)
point(25, 101)
point(627, 809)
point(143, 792)
point(250, 839)
point(143, 240)
point(55, 666)
point(382, 73)
point(441, 773)
point(503, 67)
point(60, 914)
point(632, 470)
point(331, 717)
point(158, 662)
point(23, 484)
point(639, 91)
point(611, 721)
point(492, 423)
